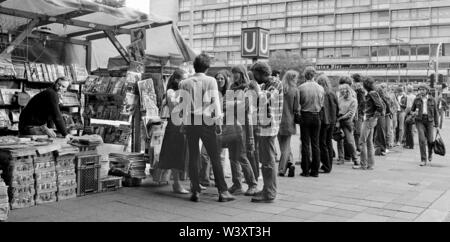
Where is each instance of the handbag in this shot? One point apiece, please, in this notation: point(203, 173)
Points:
point(438, 145)
point(230, 134)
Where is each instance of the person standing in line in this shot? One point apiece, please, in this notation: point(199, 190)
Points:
point(204, 107)
point(173, 138)
point(380, 129)
point(373, 110)
point(312, 97)
point(272, 96)
point(347, 110)
point(329, 114)
point(287, 125)
point(409, 119)
point(238, 148)
point(342, 145)
point(402, 101)
point(442, 108)
point(427, 118)
point(393, 121)
point(360, 96)
point(223, 82)
point(253, 155)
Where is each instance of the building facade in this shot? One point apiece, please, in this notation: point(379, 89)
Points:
point(393, 40)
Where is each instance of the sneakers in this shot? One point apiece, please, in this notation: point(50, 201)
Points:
point(235, 190)
point(252, 191)
point(356, 167)
point(423, 163)
point(178, 189)
point(340, 162)
point(195, 197)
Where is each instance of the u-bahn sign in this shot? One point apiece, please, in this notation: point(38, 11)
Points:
point(255, 43)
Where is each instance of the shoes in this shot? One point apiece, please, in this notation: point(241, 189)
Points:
point(178, 189)
point(340, 162)
point(430, 158)
point(316, 175)
point(324, 171)
point(195, 197)
point(202, 187)
point(356, 167)
point(235, 190)
point(383, 153)
point(281, 174)
point(423, 163)
point(252, 191)
point(304, 174)
point(369, 168)
point(291, 171)
point(262, 199)
point(226, 197)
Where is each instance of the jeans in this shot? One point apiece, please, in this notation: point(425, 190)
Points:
point(380, 134)
point(441, 118)
point(286, 153)
point(209, 138)
point(310, 132)
point(239, 162)
point(326, 147)
point(347, 127)
point(267, 156)
point(357, 132)
point(401, 126)
point(392, 128)
point(425, 131)
point(366, 143)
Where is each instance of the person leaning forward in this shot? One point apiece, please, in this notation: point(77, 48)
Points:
point(43, 109)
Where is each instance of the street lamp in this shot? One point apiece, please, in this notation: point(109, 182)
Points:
point(438, 51)
point(398, 54)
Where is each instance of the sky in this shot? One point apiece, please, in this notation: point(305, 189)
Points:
point(141, 5)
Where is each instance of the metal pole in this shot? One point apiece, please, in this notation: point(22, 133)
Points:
point(437, 69)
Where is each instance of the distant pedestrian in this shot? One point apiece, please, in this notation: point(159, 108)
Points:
point(442, 108)
point(427, 119)
point(360, 96)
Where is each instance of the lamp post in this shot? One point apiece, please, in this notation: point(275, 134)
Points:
point(398, 54)
point(438, 51)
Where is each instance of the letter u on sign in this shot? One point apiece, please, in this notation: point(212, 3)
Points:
point(264, 44)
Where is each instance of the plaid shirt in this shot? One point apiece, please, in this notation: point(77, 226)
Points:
point(274, 91)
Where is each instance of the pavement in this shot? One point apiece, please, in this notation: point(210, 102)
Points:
point(398, 190)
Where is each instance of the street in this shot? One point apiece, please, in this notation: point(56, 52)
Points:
point(397, 190)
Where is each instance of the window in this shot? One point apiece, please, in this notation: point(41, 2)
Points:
point(361, 52)
point(383, 51)
point(278, 8)
point(185, 16)
point(423, 50)
point(295, 38)
point(404, 50)
point(420, 32)
point(293, 24)
point(235, 13)
point(198, 15)
point(393, 50)
point(363, 34)
point(346, 52)
point(328, 53)
point(278, 23)
point(344, 3)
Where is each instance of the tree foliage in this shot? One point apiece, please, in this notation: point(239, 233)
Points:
point(112, 3)
point(283, 61)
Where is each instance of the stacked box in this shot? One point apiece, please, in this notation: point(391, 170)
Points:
point(45, 177)
point(110, 183)
point(22, 190)
point(66, 177)
point(4, 202)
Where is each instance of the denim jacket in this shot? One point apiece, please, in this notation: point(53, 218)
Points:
point(433, 115)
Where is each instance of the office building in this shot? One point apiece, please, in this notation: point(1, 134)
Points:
point(390, 39)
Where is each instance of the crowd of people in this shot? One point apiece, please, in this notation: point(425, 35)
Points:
point(363, 117)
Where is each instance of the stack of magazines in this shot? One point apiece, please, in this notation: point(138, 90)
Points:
point(129, 164)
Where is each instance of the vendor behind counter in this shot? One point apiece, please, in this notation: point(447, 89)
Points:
point(42, 109)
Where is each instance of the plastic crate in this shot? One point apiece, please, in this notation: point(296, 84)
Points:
point(88, 160)
point(45, 197)
point(110, 184)
point(22, 202)
point(65, 161)
point(132, 182)
point(88, 180)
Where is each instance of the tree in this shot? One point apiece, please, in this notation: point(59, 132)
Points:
point(112, 3)
point(283, 61)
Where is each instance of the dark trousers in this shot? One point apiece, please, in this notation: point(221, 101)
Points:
point(267, 155)
point(380, 134)
point(239, 162)
point(326, 147)
point(209, 138)
point(425, 130)
point(357, 133)
point(310, 132)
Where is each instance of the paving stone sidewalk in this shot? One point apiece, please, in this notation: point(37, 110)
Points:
point(397, 190)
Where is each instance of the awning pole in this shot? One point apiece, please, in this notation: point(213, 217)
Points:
point(111, 36)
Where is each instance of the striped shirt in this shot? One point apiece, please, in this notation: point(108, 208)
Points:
point(272, 93)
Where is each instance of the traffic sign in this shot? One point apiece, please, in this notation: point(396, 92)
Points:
point(255, 43)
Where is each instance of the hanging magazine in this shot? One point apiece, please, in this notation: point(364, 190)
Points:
point(148, 98)
point(129, 104)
